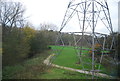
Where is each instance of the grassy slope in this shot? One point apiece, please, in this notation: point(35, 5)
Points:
point(68, 58)
point(64, 57)
point(30, 69)
point(35, 69)
point(56, 73)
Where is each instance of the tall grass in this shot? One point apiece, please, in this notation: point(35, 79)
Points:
point(28, 70)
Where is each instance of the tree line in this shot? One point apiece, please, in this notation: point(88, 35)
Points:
point(20, 40)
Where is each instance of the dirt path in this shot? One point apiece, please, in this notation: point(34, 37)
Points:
point(47, 62)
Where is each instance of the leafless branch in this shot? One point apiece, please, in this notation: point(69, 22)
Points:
point(11, 13)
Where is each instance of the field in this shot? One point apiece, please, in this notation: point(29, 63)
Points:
point(56, 73)
point(30, 69)
point(35, 69)
point(67, 56)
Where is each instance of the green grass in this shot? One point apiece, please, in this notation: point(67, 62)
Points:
point(68, 58)
point(30, 69)
point(56, 73)
point(35, 69)
point(65, 55)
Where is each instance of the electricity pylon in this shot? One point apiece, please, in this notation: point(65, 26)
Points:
point(91, 16)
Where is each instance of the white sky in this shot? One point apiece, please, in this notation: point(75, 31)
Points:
point(52, 11)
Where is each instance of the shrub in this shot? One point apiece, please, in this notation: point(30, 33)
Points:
point(15, 49)
point(38, 44)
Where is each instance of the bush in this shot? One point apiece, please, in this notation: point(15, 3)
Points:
point(22, 43)
point(38, 44)
point(15, 49)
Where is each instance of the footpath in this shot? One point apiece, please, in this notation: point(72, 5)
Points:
point(47, 62)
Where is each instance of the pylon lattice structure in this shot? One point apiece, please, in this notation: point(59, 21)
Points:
point(89, 16)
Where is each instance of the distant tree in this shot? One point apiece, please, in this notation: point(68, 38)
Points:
point(38, 44)
point(51, 36)
point(49, 31)
point(47, 26)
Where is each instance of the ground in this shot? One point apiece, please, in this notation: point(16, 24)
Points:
point(68, 57)
point(35, 69)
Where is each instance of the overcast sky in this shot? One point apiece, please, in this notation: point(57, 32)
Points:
point(52, 11)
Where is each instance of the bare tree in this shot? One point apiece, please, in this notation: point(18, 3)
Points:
point(11, 13)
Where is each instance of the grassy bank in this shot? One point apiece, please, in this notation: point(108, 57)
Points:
point(67, 56)
point(31, 69)
point(35, 69)
point(56, 73)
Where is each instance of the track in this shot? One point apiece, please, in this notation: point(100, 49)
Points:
point(47, 62)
